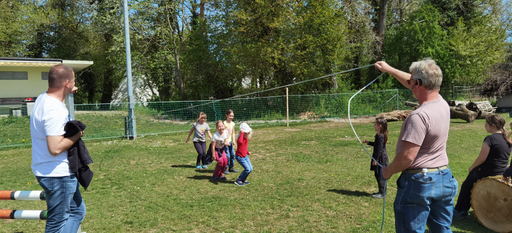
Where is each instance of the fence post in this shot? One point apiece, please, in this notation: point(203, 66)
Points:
point(397, 99)
point(287, 110)
point(71, 106)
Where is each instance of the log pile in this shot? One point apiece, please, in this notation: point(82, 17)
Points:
point(465, 110)
point(469, 111)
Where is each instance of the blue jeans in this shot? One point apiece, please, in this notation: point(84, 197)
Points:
point(66, 208)
point(245, 162)
point(230, 153)
point(425, 199)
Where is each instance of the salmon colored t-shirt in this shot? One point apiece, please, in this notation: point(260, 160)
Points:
point(427, 127)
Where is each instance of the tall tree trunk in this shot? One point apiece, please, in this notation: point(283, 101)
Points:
point(381, 27)
point(108, 86)
point(177, 40)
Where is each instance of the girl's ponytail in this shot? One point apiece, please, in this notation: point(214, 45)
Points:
point(507, 137)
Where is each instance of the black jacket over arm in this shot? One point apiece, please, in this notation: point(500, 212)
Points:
point(78, 155)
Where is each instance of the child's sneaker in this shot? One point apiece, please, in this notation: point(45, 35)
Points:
point(215, 178)
point(239, 183)
point(223, 178)
point(246, 182)
point(233, 170)
point(198, 167)
point(205, 167)
point(226, 172)
point(460, 215)
point(378, 195)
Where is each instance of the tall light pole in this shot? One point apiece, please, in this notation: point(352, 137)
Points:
point(132, 132)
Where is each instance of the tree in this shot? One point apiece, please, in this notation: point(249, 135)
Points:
point(464, 49)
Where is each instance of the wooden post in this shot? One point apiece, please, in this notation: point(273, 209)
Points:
point(287, 110)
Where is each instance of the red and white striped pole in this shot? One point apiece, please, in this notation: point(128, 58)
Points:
point(23, 195)
point(24, 214)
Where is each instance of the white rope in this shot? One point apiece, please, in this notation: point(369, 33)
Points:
point(380, 165)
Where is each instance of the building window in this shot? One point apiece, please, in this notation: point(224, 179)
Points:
point(44, 75)
point(13, 75)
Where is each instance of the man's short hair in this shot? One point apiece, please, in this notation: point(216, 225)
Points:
point(58, 75)
point(428, 72)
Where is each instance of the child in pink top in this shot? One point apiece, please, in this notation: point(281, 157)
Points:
point(219, 141)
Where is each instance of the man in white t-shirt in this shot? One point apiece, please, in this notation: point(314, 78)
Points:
point(66, 209)
point(426, 187)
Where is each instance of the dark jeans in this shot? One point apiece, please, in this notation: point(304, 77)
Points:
point(464, 201)
point(381, 182)
point(201, 152)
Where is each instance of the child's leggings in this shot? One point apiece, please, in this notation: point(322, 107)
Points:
point(201, 152)
point(222, 162)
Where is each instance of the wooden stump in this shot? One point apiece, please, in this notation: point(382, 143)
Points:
point(491, 200)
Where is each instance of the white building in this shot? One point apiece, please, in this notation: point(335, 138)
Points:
point(22, 78)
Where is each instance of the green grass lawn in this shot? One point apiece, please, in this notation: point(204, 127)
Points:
point(310, 177)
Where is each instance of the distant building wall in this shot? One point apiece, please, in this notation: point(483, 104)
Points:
point(505, 102)
point(31, 87)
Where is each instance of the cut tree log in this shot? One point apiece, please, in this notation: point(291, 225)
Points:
point(461, 112)
point(398, 115)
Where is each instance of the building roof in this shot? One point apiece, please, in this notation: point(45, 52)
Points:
point(43, 62)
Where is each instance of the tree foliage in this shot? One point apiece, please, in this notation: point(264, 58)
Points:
point(202, 49)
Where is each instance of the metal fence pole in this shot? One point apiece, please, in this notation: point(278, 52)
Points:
point(397, 99)
point(287, 110)
point(131, 105)
point(71, 106)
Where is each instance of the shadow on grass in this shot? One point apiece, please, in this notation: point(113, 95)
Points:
point(205, 171)
point(471, 225)
point(186, 166)
point(349, 193)
point(209, 178)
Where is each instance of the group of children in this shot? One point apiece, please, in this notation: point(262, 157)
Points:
point(222, 147)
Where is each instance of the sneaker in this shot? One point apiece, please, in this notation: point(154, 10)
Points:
point(378, 196)
point(233, 170)
point(223, 178)
point(226, 172)
point(198, 167)
point(239, 183)
point(246, 182)
point(460, 215)
point(205, 167)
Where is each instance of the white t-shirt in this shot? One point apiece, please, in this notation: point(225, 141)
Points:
point(220, 139)
point(48, 118)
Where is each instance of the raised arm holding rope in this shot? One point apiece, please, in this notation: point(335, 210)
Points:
point(426, 187)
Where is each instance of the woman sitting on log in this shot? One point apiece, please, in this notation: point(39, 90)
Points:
point(492, 161)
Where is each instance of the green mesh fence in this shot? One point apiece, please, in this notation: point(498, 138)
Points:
point(109, 120)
